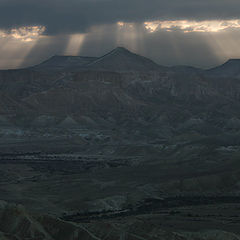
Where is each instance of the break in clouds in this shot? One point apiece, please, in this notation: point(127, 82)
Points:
point(201, 33)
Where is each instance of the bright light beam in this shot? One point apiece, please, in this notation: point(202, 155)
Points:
point(75, 44)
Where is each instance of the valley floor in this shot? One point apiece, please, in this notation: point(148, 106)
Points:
point(94, 187)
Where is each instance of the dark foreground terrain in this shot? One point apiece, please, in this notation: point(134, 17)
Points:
point(218, 221)
point(119, 191)
point(118, 147)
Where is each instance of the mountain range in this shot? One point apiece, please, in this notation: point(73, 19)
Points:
point(120, 88)
point(118, 147)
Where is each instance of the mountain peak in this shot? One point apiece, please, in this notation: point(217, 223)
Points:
point(120, 49)
point(123, 60)
point(119, 59)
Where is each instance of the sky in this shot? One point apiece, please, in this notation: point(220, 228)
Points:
point(170, 32)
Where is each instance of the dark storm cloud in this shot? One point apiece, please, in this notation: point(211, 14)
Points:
point(64, 17)
point(69, 16)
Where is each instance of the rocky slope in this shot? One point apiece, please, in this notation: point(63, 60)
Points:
point(64, 63)
point(17, 223)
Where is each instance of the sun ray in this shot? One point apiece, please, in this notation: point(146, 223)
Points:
point(127, 34)
point(75, 44)
point(16, 52)
point(17, 43)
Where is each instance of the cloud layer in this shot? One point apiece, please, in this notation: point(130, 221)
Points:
point(74, 16)
point(193, 32)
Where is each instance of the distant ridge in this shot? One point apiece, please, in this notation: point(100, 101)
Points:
point(121, 59)
point(120, 87)
point(58, 62)
point(230, 68)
